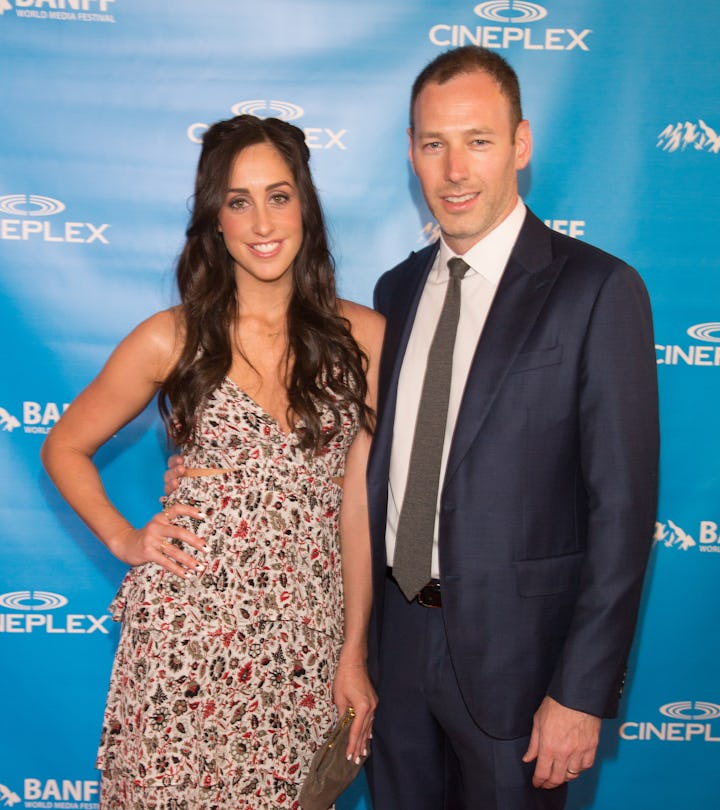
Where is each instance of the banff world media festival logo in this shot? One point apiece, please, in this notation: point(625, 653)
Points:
point(670, 534)
point(82, 11)
point(54, 794)
point(37, 417)
point(681, 136)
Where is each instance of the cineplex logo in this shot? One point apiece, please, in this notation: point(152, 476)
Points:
point(29, 218)
point(32, 612)
point(689, 720)
point(315, 137)
point(693, 354)
point(681, 136)
point(68, 794)
point(515, 30)
point(670, 535)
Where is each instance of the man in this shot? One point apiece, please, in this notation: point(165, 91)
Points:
point(494, 675)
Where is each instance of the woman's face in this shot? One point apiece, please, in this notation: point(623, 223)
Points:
point(261, 218)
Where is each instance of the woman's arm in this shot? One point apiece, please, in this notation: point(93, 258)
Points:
point(123, 388)
point(352, 684)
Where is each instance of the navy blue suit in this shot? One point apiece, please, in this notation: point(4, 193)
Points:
point(548, 503)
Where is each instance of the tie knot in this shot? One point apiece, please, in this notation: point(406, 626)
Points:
point(457, 267)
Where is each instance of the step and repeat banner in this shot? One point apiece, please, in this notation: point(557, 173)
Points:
point(104, 103)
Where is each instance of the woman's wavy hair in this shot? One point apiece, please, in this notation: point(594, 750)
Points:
point(327, 365)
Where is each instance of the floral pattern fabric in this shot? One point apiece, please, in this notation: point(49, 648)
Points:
point(222, 683)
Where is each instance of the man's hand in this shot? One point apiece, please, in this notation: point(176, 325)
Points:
point(175, 471)
point(563, 741)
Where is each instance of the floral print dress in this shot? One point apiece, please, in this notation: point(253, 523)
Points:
point(221, 688)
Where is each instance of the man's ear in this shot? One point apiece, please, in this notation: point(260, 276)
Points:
point(523, 144)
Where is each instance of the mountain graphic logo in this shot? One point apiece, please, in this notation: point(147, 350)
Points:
point(8, 422)
point(672, 536)
point(681, 136)
point(7, 797)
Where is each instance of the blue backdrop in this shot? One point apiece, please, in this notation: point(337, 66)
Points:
point(103, 104)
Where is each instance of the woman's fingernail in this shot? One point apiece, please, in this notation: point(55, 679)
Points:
point(349, 757)
point(357, 760)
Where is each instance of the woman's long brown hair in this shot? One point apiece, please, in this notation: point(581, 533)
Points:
point(328, 366)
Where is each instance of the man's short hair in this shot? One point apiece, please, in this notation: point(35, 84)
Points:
point(469, 59)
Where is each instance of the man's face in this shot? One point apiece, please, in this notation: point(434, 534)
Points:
point(465, 156)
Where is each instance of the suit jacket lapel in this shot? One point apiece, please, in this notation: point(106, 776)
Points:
point(523, 289)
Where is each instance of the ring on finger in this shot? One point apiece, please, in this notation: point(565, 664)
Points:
point(572, 772)
point(166, 542)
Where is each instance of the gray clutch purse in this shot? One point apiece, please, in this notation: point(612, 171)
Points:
point(330, 771)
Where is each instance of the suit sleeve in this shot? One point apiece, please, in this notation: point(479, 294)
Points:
point(380, 295)
point(619, 447)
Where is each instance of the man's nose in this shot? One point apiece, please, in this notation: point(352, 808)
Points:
point(456, 165)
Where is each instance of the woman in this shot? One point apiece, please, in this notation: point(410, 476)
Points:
point(245, 610)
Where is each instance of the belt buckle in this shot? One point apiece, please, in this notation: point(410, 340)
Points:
point(429, 595)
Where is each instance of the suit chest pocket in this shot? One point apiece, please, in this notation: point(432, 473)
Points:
point(552, 575)
point(537, 359)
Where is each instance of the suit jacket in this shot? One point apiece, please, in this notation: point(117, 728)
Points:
point(548, 503)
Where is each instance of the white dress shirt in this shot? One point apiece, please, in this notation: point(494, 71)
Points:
point(487, 260)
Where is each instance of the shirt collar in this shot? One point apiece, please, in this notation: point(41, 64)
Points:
point(490, 255)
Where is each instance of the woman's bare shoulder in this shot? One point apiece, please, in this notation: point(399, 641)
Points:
point(160, 335)
point(367, 325)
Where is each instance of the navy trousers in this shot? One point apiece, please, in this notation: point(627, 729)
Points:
point(427, 752)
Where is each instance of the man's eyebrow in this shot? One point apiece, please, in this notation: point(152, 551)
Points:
point(441, 135)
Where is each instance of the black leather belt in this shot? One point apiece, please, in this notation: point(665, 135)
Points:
point(429, 595)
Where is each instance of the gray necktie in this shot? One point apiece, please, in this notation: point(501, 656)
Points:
point(416, 526)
